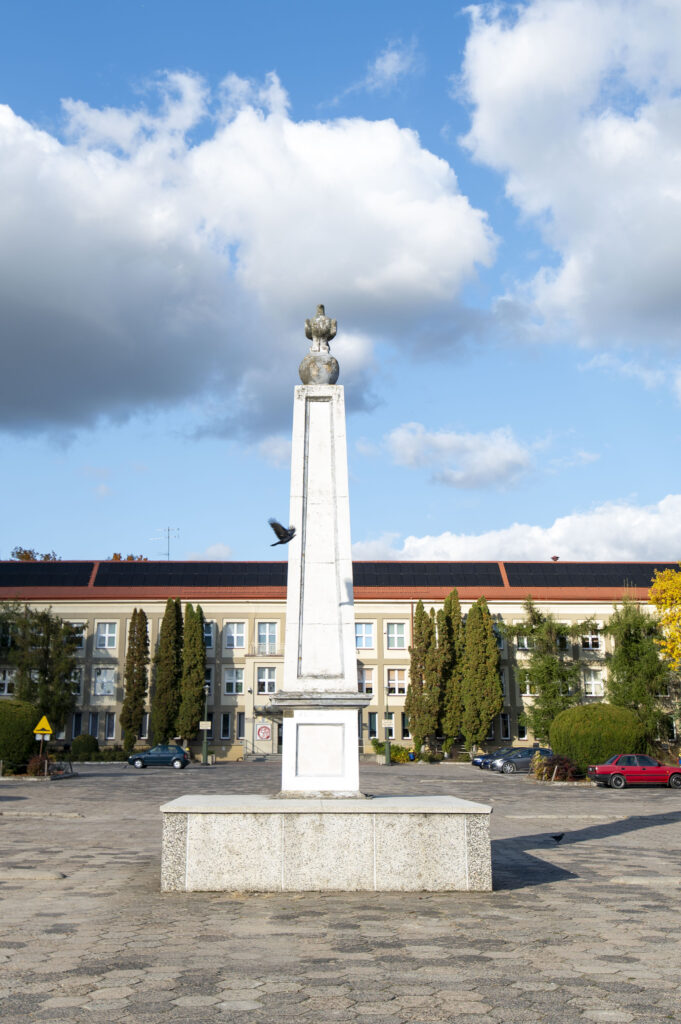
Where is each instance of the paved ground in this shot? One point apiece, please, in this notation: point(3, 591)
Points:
point(583, 931)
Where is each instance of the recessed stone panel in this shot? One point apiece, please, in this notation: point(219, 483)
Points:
point(328, 851)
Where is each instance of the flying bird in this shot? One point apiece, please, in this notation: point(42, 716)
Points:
point(284, 534)
point(558, 837)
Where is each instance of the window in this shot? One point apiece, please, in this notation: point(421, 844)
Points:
point(373, 725)
point(524, 643)
point(406, 735)
point(646, 762)
point(235, 633)
point(6, 682)
point(209, 731)
point(389, 725)
point(208, 680)
point(234, 680)
point(209, 635)
point(226, 725)
point(240, 725)
point(93, 723)
point(79, 634)
point(502, 680)
point(397, 682)
point(267, 638)
point(76, 724)
point(663, 691)
point(563, 642)
point(591, 641)
point(505, 727)
point(498, 637)
point(395, 635)
point(110, 726)
point(77, 682)
point(364, 635)
point(266, 680)
point(365, 679)
point(522, 732)
point(527, 689)
point(490, 734)
point(105, 679)
point(593, 683)
point(106, 635)
point(144, 731)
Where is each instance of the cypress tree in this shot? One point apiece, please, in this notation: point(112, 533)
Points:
point(418, 701)
point(482, 696)
point(451, 639)
point(165, 702)
point(136, 679)
point(193, 674)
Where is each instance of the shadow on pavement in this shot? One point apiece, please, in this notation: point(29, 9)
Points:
point(514, 867)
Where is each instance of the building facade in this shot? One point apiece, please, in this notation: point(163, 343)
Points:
point(244, 606)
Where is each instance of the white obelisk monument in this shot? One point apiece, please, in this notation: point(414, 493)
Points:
point(320, 833)
point(319, 698)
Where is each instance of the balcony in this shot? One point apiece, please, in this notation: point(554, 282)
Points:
point(265, 650)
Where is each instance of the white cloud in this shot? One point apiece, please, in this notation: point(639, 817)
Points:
point(460, 460)
point(397, 60)
point(213, 553)
point(139, 268)
point(275, 449)
point(578, 104)
point(650, 378)
point(613, 531)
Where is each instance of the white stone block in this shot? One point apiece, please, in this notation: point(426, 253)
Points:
point(264, 844)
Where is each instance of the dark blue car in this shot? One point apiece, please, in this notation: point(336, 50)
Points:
point(483, 760)
point(164, 754)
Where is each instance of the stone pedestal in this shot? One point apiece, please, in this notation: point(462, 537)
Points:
point(385, 844)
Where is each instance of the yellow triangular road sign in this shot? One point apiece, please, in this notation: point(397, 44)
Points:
point(43, 728)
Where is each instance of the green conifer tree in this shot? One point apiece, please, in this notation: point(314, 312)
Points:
point(637, 676)
point(165, 700)
point(482, 695)
point(42, 652)
point(418, 702)
point(452, 639)
point(136, 678)
point(554, 679)
point(193, 674)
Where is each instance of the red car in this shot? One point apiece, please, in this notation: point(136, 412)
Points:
point(622, 770)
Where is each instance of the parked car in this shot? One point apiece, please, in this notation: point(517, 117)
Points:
point(622, 770)
point(519, 761)
point(483, 760)
point(164, 753)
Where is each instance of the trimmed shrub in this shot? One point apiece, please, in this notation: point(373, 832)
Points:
point(398, 754)
point(36, 765)
point(591, 733)
point(17, 742)
point(82, 746)
point(554, 769)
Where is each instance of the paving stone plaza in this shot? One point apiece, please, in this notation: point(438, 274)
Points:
point(584, 930)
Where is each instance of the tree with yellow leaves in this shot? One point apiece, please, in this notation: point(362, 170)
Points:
point(665, 594)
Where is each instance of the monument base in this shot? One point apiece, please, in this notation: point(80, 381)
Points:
point(385, 844)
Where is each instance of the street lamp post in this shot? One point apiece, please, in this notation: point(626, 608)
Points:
point(204, 751)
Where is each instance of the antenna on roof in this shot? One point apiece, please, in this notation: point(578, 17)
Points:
point(169, 531)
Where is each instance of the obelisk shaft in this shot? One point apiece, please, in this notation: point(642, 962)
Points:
point(319, 697)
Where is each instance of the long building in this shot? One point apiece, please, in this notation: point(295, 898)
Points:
point(244, 605)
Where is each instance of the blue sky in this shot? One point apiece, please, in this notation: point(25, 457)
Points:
point(486, 198)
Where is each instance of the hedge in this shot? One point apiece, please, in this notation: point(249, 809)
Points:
point(591, 733)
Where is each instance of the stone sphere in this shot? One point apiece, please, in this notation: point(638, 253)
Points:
point(319, 368)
